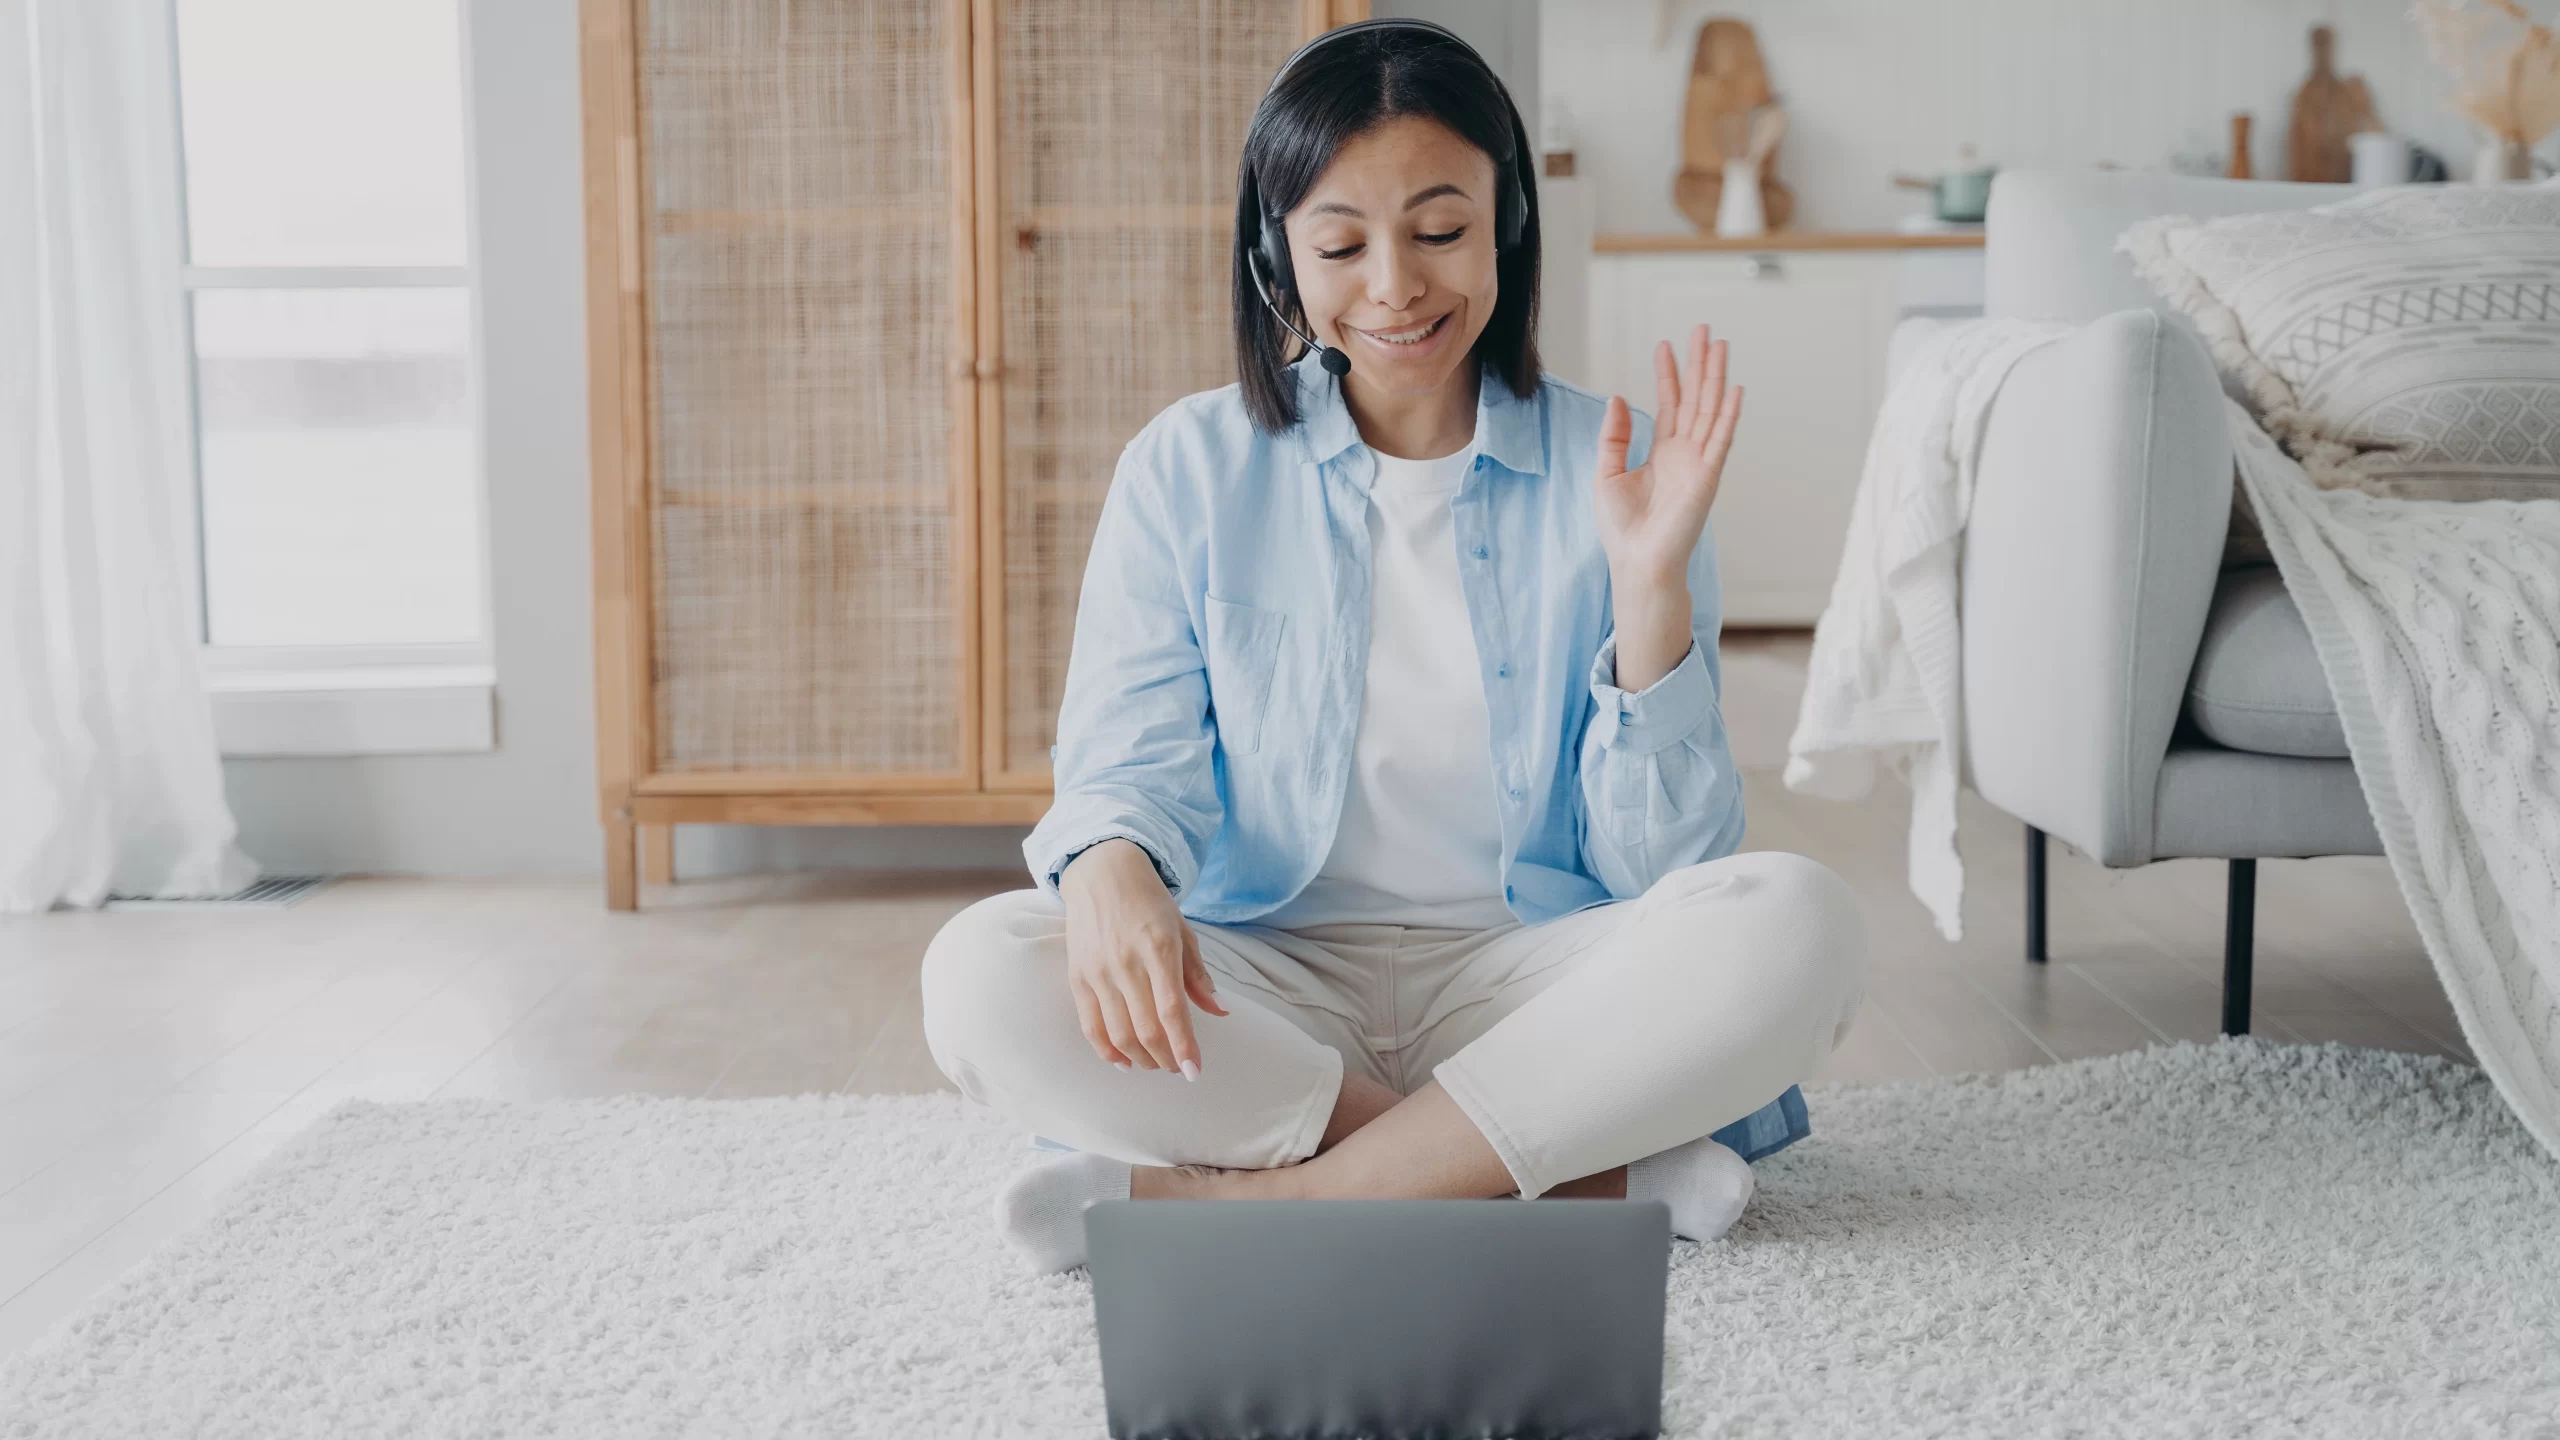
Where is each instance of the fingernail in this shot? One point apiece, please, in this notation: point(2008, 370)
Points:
point(1120, 1064)
point(1190, 1069)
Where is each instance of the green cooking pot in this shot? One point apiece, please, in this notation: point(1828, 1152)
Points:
point(1959, 197)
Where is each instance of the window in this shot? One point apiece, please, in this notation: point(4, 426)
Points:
point(329, 289)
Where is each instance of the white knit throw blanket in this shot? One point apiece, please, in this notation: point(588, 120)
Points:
point(1883, 681)
point(2437, 623)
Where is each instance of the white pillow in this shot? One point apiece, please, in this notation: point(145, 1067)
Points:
point(2404, 342)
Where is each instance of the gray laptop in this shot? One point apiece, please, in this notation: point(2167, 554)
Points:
point(1380, 1318)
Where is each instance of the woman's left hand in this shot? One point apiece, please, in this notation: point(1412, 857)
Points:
point(1651, 516)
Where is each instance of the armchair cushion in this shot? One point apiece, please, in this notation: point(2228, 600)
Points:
point(2257, 685)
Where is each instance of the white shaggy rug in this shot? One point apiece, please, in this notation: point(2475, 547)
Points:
point(2237, 1239)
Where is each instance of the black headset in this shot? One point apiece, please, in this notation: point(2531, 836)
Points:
point(1267, 257)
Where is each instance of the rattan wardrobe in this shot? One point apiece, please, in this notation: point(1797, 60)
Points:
point(876, 291)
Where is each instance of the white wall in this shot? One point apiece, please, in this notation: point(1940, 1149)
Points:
point(1875, 86)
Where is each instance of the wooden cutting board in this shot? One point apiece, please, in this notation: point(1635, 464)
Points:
point(2326, 110)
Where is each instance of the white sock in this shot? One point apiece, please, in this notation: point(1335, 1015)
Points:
point(1705, 1184)
point(1041, 1209)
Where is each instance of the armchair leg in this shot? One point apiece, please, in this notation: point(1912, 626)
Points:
point(2239, 934)
point(2035, 895)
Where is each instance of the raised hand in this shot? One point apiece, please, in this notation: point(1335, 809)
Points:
point(1650, 517)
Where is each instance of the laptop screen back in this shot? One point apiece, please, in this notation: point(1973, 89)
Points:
point(1384, 1318)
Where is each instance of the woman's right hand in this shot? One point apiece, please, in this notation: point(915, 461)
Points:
point(1133, 964)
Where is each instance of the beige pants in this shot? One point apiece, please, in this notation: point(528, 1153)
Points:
point(1575, 1046)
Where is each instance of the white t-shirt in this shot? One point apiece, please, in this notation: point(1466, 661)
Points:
point(1420, 840)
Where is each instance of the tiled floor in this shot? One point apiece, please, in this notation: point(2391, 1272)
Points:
point(147, 1059)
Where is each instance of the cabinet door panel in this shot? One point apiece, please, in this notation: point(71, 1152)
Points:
point(1807, 337)
point(1118, 127)
point(802, 279)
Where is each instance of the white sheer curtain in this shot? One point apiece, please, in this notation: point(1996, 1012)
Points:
point(109, 778)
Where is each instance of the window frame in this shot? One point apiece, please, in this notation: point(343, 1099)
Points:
point(337, 700)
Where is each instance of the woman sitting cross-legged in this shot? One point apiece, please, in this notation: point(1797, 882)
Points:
point(1393, 847)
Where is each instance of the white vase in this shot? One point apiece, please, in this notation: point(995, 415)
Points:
point(2502, 162)
point(1738, 209)
point(2379, 158)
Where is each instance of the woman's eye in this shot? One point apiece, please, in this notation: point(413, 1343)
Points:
point(1444, 238)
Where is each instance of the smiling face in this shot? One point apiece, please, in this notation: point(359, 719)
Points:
point(1394, 256)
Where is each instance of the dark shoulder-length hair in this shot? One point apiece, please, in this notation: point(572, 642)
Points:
point(1332, 94)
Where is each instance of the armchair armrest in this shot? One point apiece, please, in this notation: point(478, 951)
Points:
point(2096, 533)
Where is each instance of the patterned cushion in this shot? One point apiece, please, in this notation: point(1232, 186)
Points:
point(2404, 342)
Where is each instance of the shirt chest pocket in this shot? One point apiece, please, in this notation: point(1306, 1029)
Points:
point(1243, 653)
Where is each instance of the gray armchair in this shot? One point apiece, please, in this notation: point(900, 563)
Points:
point(2122, 689)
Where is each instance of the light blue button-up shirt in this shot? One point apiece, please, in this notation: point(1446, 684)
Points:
point(1222, 637)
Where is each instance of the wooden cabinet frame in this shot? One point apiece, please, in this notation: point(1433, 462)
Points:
point(979, 787)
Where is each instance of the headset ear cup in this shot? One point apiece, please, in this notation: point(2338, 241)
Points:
point(1276, 269)
point(1514, 226)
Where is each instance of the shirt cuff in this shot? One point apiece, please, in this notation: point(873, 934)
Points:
point(1660, 715)
point(1048, 874)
